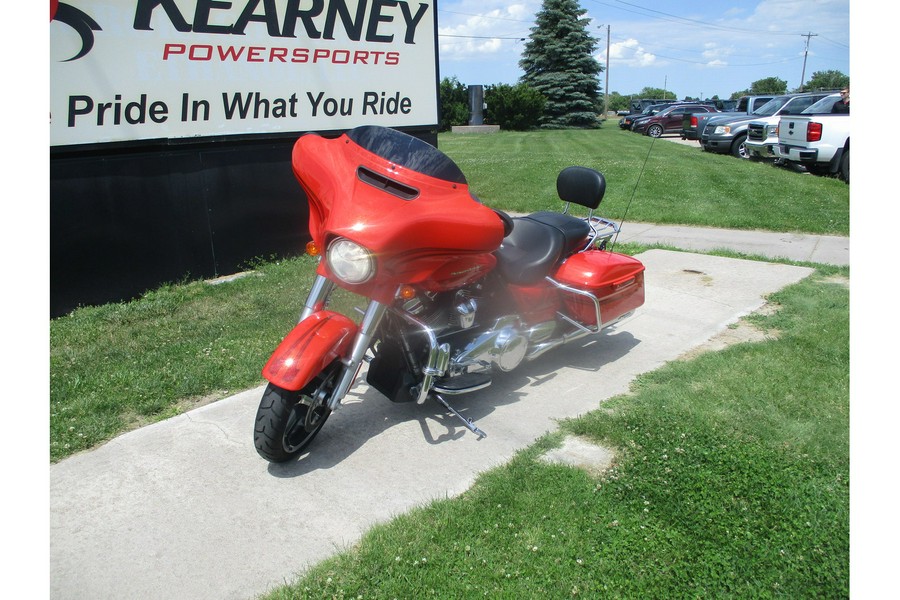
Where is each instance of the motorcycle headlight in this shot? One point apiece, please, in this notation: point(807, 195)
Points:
point(350, 262)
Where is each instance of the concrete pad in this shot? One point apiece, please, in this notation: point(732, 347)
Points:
point(186, 509)
point(582, 454)
point(475, 129)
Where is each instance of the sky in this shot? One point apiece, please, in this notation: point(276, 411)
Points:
point(691, 48)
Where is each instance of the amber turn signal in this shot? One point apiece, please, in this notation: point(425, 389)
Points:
point(312, 249)
point(406, 292)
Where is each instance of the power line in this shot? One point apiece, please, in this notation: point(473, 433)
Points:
point(454, 12)
point(481, 37)
point(686, 21)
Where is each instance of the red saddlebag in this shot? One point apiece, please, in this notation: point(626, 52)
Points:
point(615, 280)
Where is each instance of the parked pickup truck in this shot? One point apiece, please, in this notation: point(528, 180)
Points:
point(730, 134)
point(819, 140)
point(693, 123)
point(762, 135)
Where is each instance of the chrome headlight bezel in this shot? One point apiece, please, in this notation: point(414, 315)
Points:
point(350, 262)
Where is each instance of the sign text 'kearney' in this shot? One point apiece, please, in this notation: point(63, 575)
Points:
point(319, 20)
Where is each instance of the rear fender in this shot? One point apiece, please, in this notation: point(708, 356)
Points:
point(310, 347)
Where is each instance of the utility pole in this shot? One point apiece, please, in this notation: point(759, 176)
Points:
point(606, 85)
point(805, 52)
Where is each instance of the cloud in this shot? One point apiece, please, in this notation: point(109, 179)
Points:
point(715, 55)
point(471, 30)
point(630, 54)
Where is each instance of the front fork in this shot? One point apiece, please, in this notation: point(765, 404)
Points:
point(371, 319)
point(315, 301)
point(318, 295)
point(436, 365)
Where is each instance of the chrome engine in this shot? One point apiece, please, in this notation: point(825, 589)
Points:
point(466, 340)
point(503, 346)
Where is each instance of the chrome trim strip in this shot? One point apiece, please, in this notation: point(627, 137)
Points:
point(587, 295)
point(450, 392)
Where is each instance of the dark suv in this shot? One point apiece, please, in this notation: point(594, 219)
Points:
point(627, 121)
point(669, 120)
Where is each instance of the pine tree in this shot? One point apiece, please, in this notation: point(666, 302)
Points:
point(558, 61)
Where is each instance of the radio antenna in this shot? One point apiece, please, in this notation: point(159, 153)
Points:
point(633, 191)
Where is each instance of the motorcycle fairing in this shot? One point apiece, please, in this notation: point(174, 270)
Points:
point(310, 347)
point(423, 227)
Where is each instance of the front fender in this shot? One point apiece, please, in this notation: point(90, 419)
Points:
point(310, 347)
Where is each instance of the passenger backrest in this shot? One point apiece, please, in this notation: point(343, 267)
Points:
point(581, 185)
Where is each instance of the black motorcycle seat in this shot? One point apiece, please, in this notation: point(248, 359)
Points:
point(537, 243)
point(574, 230)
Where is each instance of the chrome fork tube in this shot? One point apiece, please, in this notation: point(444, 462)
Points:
point(318, 294)
point(371, 319)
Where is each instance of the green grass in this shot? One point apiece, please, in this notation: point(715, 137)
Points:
point(123, 365)
point(732, 481)
point(116, 366)
point(680, 184)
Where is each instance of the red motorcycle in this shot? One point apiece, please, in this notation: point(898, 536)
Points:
point(456, 289)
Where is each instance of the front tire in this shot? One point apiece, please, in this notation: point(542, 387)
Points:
point(739, 147)
point(287, 421)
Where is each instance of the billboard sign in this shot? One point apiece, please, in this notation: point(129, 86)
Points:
point(130, 70)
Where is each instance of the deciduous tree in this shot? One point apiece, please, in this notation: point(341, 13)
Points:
point(769, 85)
point(827, 80)
point(659, 93)
point(516, 107)
point(454, 98)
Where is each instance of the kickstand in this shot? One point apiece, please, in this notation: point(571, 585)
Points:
point(470, 425)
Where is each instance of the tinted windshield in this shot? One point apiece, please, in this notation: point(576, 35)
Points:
point(771, 107)
point(407, 151)
point(822, 106)
point(653, 109)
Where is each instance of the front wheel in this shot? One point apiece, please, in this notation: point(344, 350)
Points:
point(655, 131)
point(739, 147)
point(286, 421)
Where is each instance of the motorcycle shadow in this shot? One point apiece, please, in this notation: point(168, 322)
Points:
point(366, 415)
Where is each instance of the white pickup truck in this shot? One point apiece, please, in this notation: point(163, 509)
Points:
point(762, 133)
point(819, 139)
